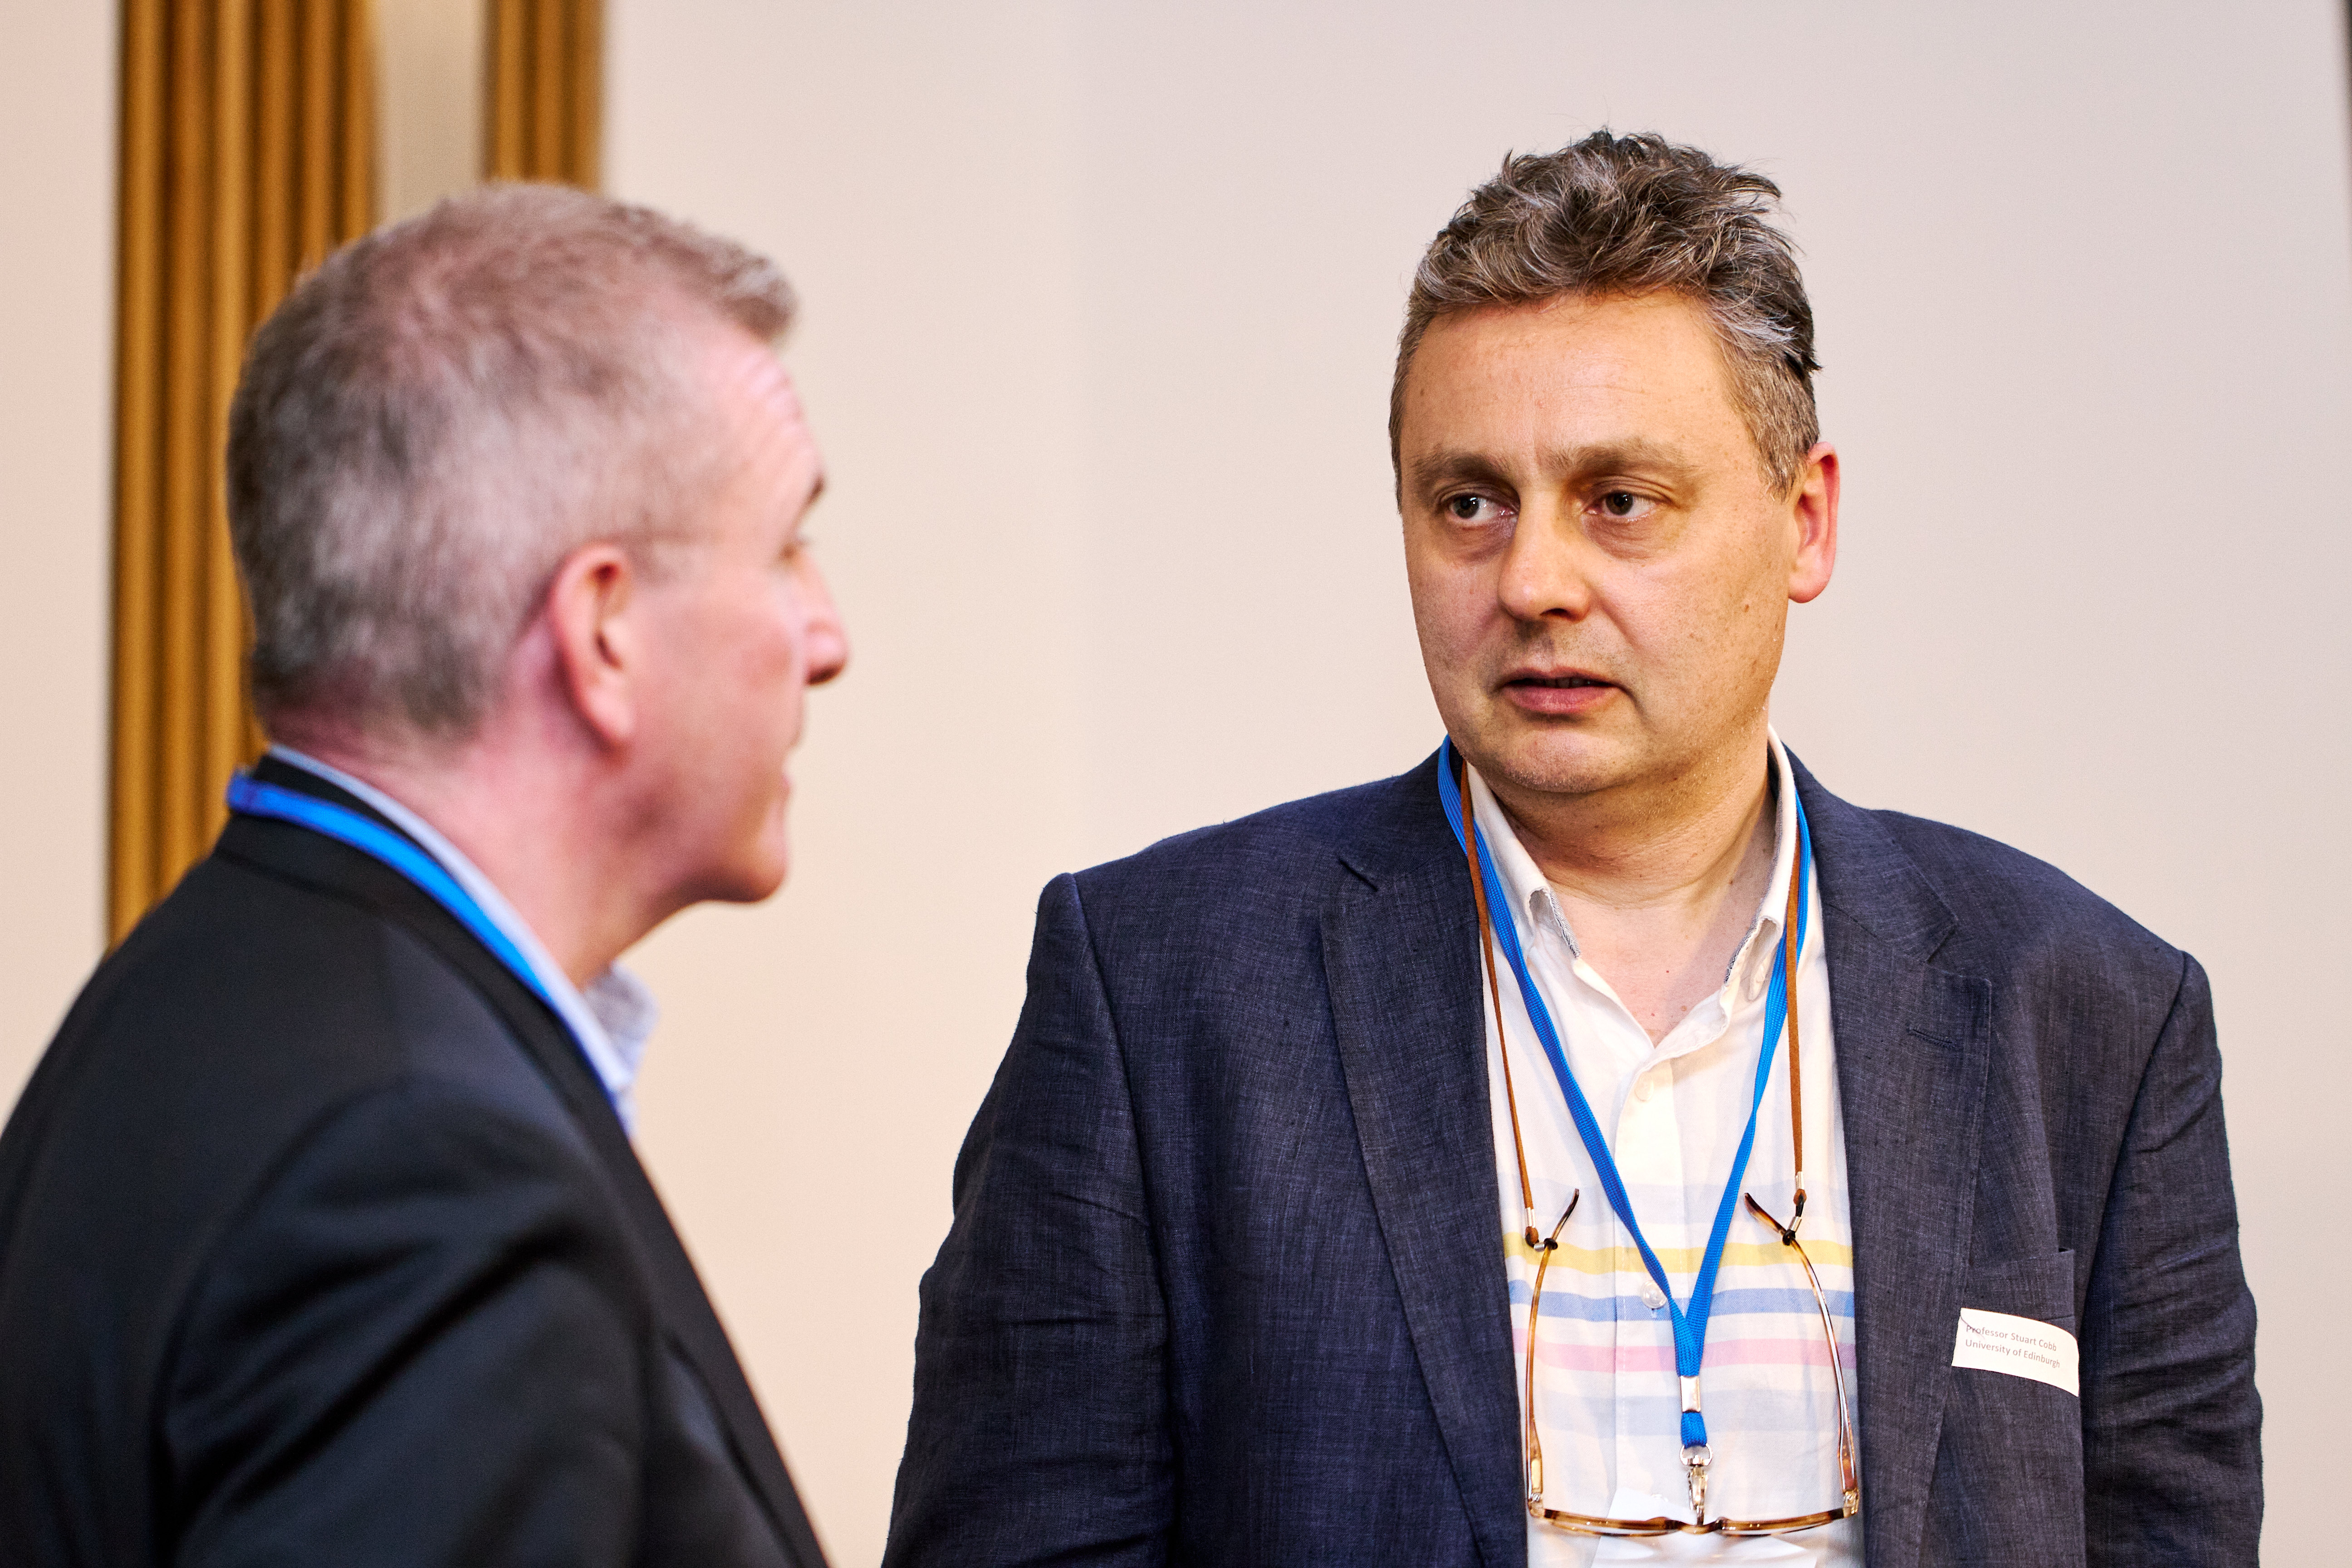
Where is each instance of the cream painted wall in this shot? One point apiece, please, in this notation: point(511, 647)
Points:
point(1100, 305)
point(56, 425)
point(819, 1056)
point(429, 97)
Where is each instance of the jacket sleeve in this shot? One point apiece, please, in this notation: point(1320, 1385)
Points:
point(2171, 1424)
point(1040, 1426)
point(417, 1347)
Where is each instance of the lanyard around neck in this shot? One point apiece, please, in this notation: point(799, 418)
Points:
point(1689, 1323)
point(250, 796)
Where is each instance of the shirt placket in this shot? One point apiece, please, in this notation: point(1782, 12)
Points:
point(1645, 1134)
point(1663, 1145)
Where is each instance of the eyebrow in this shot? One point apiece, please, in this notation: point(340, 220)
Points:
point(1427, 473)
point(1434, 469)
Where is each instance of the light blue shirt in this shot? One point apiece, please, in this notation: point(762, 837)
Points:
point(611, 1020)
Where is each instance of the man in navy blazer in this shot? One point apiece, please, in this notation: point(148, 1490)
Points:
point(321, 1239)
point(1237, 1273)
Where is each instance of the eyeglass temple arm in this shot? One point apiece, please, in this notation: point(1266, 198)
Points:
point(1847, 1473)
point(1535, 1299)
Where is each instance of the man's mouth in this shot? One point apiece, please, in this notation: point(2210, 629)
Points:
point(1564, 695)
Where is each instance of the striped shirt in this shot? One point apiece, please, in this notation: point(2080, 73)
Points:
point(1606, 1394)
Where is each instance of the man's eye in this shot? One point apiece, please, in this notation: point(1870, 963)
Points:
point(1472, 508)
point(1625, 504)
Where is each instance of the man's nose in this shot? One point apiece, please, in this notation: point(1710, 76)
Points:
point(827, 639)
point(1547, 571)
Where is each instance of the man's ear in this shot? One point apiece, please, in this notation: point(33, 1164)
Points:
point(598, 655)
point(1814, 512)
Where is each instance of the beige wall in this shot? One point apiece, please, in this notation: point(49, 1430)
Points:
point(1100, 307)
point(1100, 301)
point(429, 96)
point(819, 1057)
point(56, 425)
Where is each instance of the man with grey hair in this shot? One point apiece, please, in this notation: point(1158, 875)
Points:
point(1601, 1144)
point(321, 1239)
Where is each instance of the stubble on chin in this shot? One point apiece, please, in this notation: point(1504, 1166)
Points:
point(1555, 765)
point(1515, 750)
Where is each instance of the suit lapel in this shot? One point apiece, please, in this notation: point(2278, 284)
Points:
point(1913, 1049)
point(1400, 957)
point(684, 1307)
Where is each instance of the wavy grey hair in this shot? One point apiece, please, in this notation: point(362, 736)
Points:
point(443, 411)
point(1630, 215)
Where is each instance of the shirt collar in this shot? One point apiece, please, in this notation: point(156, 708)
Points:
point(612, 1019)
point(1535, 906)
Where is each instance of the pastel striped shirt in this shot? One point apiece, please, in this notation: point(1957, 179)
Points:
point(1607, 1398)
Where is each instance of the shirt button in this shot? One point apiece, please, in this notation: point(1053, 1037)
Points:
point(1652, 1297)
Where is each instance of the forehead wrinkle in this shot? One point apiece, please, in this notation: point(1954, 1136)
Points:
point(1627, 454)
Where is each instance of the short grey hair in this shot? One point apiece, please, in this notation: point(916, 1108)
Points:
point(442, 412)
point(1633, 215)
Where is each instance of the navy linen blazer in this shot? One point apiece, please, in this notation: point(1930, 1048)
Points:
point(319, 1242)
point(1225, 1283)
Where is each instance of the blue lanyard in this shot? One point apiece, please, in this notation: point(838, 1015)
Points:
point(1690, 1324)
point(250, 796)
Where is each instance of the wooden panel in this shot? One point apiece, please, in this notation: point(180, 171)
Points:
point(314, 201)
point(187, 430)
point(545, 86)
point(275, 248)
point(139, 360)
point(549, 45)
point(355, 121)
point(508, 113)
point(220, 722)
point(248, 150)
point(584, 91)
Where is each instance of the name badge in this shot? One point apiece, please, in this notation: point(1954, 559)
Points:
point(2022, 1347)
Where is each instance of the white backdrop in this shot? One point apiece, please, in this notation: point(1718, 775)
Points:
point(1100, 307)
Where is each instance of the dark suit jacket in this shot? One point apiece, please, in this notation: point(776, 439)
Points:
point(1225, 1283)
point(320, 1243)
